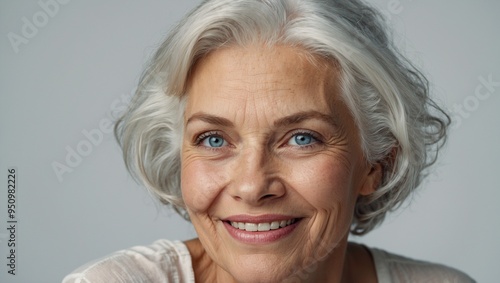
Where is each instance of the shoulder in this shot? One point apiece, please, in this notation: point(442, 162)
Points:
point(163, 261)
point(396, 268)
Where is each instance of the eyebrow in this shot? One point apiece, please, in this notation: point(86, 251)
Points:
point(299, 117)
point(295, 118)
point(210, 119)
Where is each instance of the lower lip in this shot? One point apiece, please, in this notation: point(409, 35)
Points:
point(260, 237)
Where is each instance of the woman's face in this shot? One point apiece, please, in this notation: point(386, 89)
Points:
point(271, 162)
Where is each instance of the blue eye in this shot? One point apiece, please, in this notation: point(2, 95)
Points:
point(214, 141)
point(302, 139)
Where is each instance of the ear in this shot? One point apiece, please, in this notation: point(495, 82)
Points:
point(372, 180)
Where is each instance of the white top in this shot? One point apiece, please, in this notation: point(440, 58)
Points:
point(170, 262)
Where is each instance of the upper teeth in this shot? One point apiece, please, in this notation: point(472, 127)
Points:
point(252, 227)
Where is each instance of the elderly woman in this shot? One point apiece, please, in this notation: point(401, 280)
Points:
point(277, 127)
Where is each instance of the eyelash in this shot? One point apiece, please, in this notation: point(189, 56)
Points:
point(200, 138)
point(315, 136)
point(317, 140)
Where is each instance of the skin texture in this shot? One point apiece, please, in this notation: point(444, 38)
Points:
point(258, 102)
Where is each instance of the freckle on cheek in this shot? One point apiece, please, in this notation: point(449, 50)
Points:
point(199, 191)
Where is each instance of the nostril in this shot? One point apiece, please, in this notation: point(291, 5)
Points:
point(268, 196)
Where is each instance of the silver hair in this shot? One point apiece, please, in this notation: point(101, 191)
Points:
point(399, 125)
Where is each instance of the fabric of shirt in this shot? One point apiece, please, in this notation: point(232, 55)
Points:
point(170, 262)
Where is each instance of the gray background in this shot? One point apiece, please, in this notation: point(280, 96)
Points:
point(84, 59)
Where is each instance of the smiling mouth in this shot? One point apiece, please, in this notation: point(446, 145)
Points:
point(262, 227)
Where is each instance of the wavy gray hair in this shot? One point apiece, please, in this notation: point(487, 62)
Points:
point(399, 125)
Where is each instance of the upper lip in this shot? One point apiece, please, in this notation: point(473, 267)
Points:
point(265, 218)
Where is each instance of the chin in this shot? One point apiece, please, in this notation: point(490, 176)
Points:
point(254, 268)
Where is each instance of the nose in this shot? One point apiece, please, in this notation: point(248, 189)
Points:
point(254, 178)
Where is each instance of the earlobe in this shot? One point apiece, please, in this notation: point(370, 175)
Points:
point(372, 180)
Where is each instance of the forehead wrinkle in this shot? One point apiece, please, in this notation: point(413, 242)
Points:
point(256, 86)
point(251, 108)
point(248, 83)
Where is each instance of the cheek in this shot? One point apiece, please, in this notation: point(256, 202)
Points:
point(200, 185)
point(323, 182)
point(326, 185)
